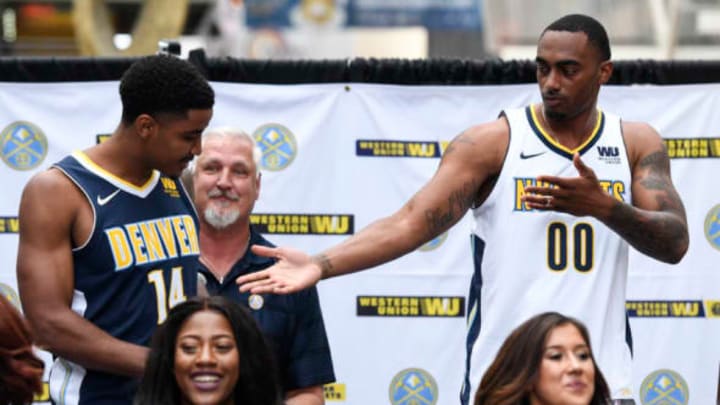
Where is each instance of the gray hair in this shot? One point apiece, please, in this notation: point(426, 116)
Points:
point(229, 132)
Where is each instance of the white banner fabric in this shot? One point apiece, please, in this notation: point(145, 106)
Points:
point(339, 156)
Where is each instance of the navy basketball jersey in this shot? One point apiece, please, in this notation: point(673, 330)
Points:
point(139, 261)
point(531, 261)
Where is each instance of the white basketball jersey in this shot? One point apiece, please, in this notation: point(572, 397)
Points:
point(531, 261)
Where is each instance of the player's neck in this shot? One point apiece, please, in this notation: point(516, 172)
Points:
point(116, 157)
point(571, 132)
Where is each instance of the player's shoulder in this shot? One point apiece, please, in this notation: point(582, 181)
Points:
point(50, 180)
point(53, 190)
point(639, 130)
point(484, 143)
point(491, 130)
point(492, 136)
point(641, 139)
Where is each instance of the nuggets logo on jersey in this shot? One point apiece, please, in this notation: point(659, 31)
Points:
point(413, 386)
point(151, 241)
point(23, 145)
point(712, 227)
point(663, 387)
point(616, 188)
point(278, 146)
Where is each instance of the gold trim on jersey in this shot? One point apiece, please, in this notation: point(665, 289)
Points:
point(141, 191)
point(553, 144)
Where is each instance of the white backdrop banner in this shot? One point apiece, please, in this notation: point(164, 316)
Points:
point(336, 157)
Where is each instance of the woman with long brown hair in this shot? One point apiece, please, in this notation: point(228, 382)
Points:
point(546, 360)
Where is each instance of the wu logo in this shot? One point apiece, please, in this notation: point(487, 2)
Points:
point(608, 151)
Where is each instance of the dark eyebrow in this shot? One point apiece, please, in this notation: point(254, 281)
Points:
point(559, 347)
point(565, 62)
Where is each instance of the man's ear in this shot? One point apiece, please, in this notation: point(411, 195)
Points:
point(606, 69)
point(145, 125)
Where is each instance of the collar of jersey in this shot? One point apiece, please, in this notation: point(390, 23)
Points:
point(551, 143)
point(140, 191)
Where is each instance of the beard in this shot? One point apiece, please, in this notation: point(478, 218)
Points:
point(221, 219)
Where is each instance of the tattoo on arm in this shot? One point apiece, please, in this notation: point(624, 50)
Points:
point(660, 233)
point(456, 143)
point(326, 267)
point(458, 203)
point(658, 179)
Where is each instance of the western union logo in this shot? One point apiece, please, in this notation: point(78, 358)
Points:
point(669, 309)
point(9, 225)
point(382, 148)
point(692, 148)
point(170, 187)
point(334, 392)
point(304, 224)
point(410, 306)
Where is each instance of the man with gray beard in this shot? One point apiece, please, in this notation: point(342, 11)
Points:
point(226, 184)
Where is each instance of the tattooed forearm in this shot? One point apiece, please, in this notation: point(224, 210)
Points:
point(458, 203)
point(661, 235)
point(660, 231)
point(326, 267)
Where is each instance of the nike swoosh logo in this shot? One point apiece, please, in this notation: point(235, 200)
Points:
point(530, 156)
point(102, 201)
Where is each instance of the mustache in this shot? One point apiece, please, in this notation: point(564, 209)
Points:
point(229, 194)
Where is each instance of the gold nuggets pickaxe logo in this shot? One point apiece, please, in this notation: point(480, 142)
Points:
point(663, 387)
point(712, 227)
point(278, 146)
point(413, 386)
point(23, 145)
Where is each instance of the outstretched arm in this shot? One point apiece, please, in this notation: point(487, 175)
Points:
point(470, 159)
point(46, 281)
point(654, 223)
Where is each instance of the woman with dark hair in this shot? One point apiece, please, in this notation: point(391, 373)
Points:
point(20, 369)
point(209, 351)
point(546, 360)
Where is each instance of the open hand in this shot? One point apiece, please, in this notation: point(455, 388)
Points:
point(294, 271)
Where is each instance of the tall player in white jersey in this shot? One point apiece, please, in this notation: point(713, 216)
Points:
point(558, 191)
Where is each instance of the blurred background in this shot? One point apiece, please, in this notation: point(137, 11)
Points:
point(331, 29)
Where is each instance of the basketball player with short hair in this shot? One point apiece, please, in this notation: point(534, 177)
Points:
point(558, 191)
point(108, 236)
